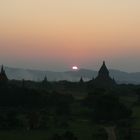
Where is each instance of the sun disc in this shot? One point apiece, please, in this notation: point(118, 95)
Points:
point(75, 68)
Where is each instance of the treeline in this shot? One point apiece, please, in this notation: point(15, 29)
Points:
point(33, 105)
point(37, 106)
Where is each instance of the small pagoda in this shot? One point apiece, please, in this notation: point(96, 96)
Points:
point(3, 76)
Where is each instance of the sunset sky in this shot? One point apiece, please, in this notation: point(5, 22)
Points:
point(58, 34)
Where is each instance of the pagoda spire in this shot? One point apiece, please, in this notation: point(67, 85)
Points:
point(2, 69)
point(103, 70)
point(81, 80)
point(3, 76)
point(103, 76)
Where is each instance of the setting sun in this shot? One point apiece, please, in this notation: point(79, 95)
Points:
point(75, 68)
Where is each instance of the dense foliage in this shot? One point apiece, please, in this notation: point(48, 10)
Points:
point(27, 105)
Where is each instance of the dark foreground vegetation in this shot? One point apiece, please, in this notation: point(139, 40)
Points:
point(69, 111)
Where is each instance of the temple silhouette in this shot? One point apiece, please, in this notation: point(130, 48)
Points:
point(3, 76)
point(103, 78)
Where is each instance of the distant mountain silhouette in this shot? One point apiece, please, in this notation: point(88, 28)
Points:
point(38, 75)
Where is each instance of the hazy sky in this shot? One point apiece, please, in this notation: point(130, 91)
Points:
point(57, 34)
